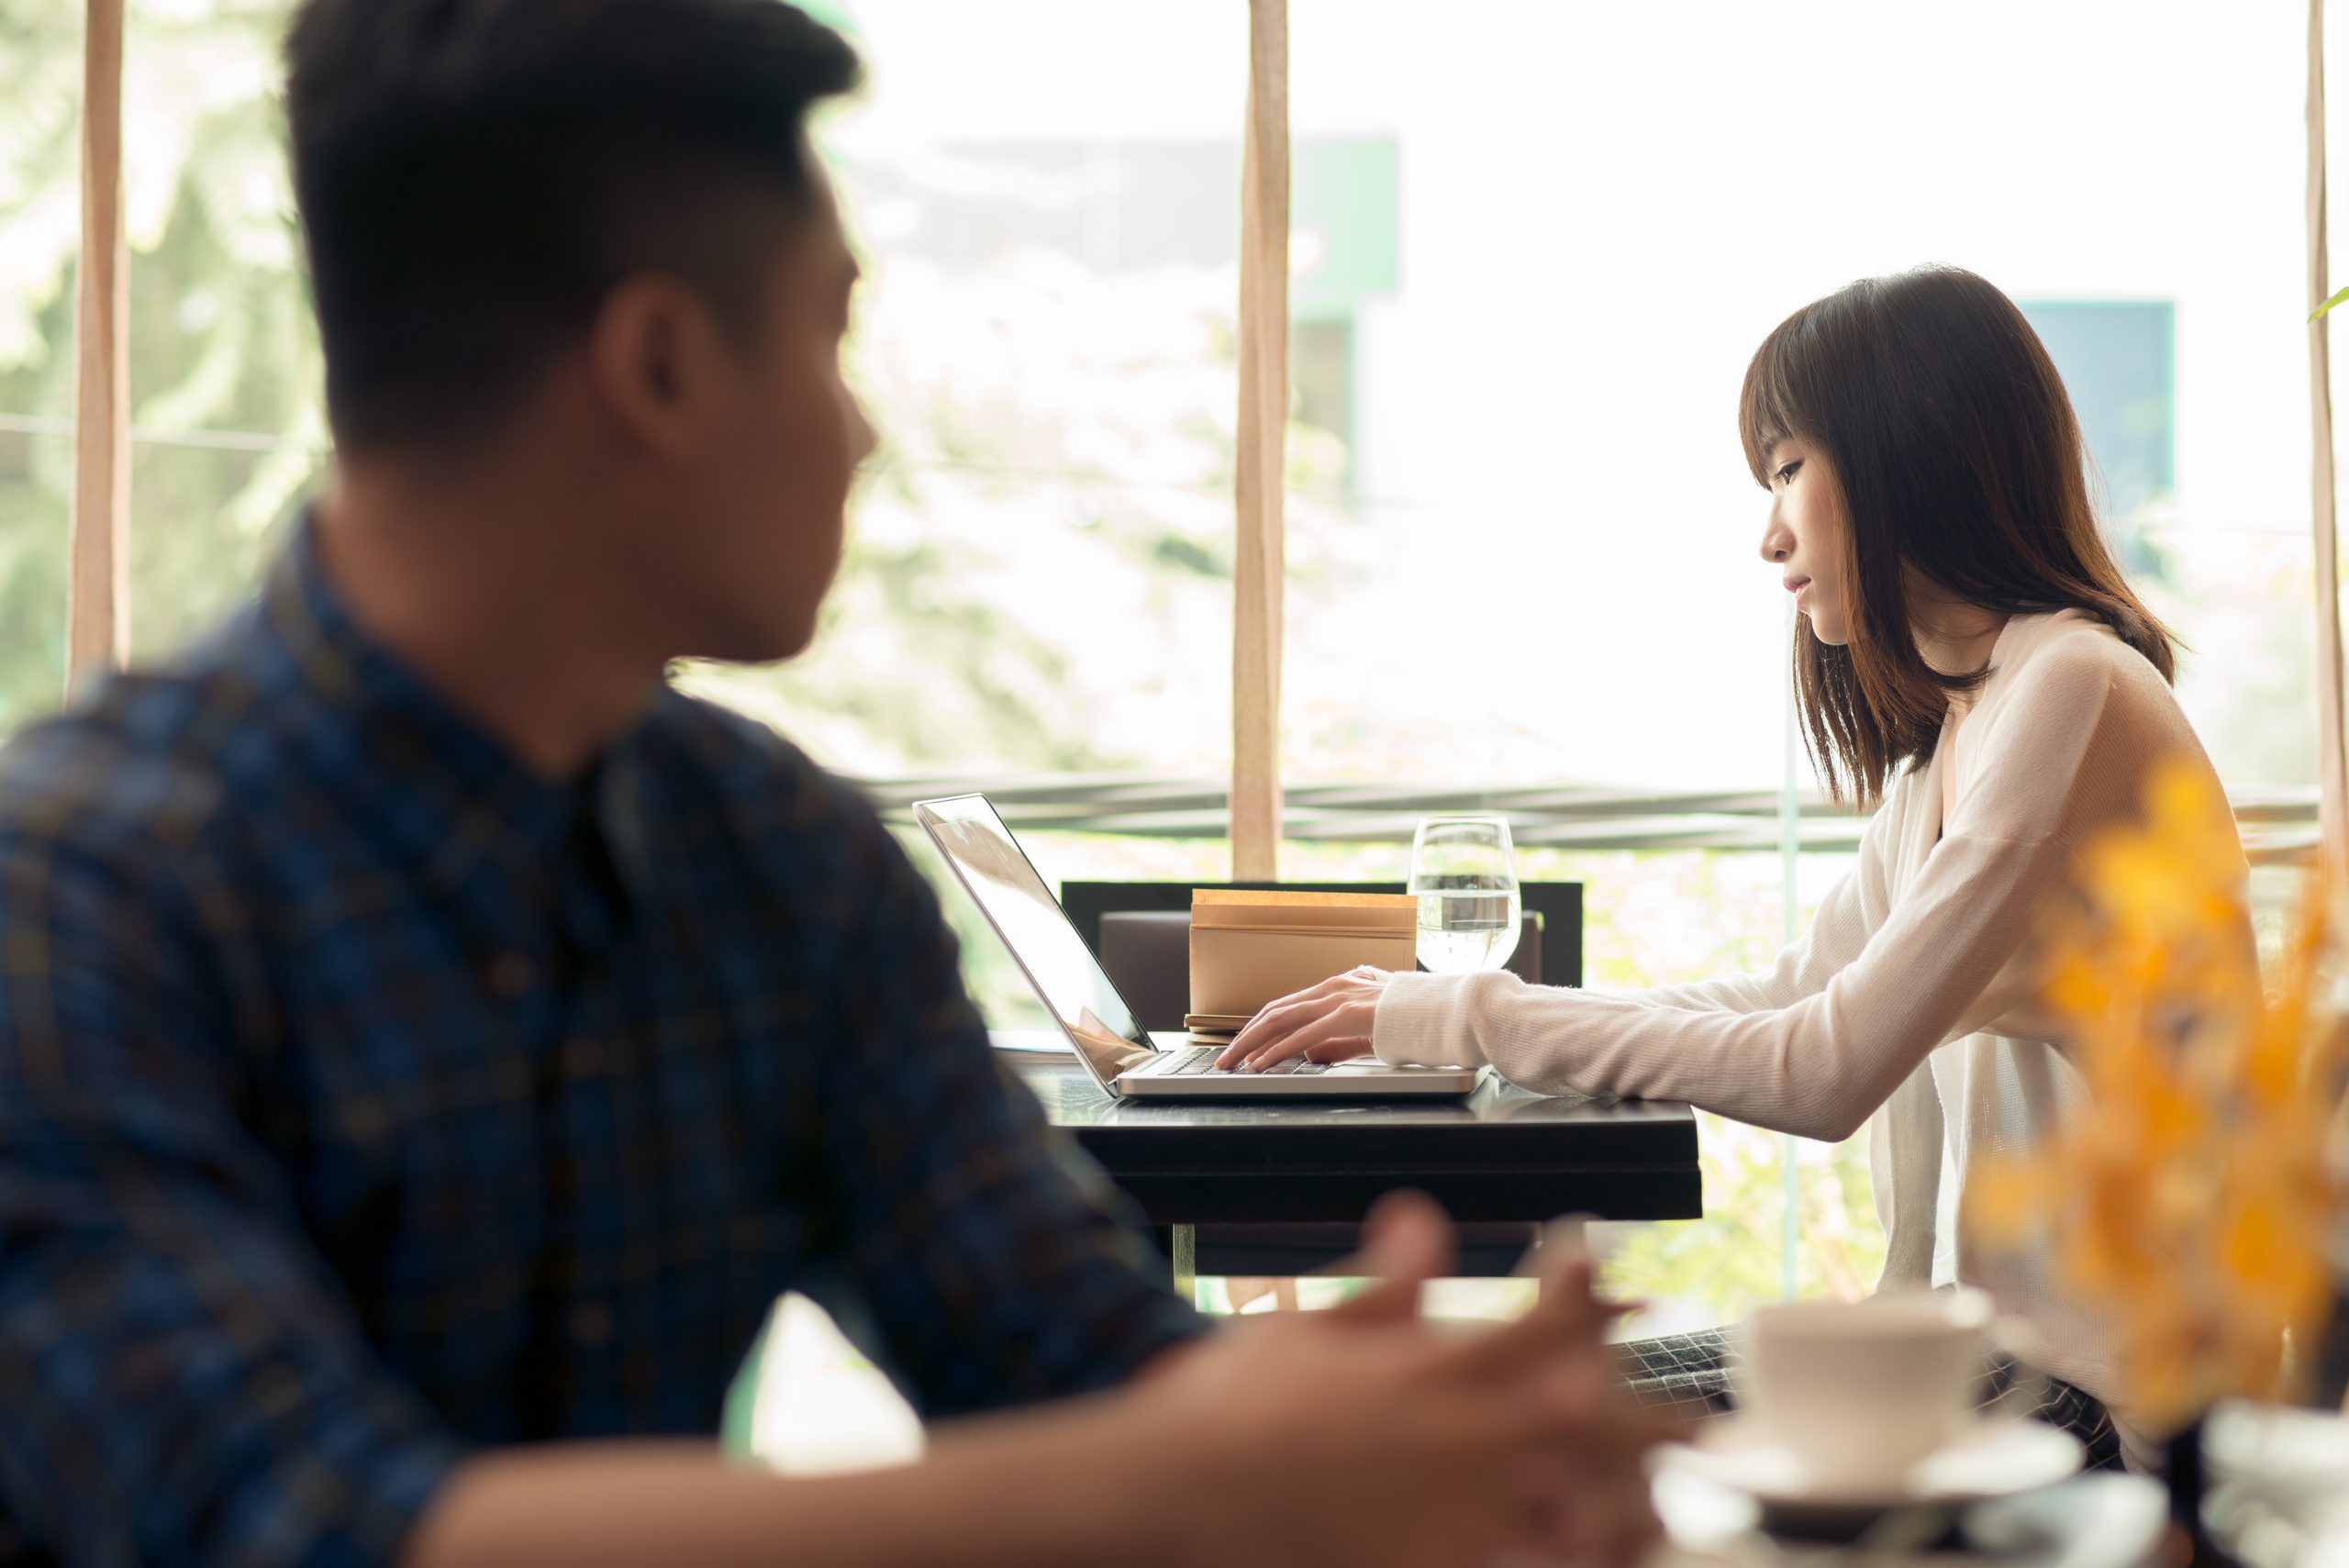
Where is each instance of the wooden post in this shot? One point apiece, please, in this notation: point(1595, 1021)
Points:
point(2332, 760)
point(1259, 569)
point(96, 596)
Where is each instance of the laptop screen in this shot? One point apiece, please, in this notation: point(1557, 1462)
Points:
point(991, 865)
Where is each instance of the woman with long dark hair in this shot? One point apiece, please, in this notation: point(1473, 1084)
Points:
point(1970, 661)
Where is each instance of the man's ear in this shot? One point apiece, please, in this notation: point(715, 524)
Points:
point(654, 359)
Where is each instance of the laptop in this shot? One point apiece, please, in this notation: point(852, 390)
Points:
point(1122, 1056)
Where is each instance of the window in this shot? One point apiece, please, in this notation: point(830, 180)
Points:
point(1534, 247)
point(2117, 359)
point(224, 371)
point(1544, 571)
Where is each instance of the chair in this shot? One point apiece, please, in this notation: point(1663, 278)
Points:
point(1142, 931)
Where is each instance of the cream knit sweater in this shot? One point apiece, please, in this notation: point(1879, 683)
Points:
point(1908, 1006)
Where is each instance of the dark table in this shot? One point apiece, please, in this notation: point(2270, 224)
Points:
point(1275, 1187)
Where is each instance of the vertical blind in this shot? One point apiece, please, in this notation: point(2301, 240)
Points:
point(1259, 566)
point(97, 610)
point(2333, 763)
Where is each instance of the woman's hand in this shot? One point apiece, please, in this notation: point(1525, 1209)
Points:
point(1331, 1022)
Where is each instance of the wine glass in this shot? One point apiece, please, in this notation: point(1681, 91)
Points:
point(1464, 874)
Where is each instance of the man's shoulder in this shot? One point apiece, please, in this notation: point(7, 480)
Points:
point(808, 836)
point(140, 764)
point(768, 783)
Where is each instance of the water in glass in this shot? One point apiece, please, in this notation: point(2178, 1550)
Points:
point(1464, 875)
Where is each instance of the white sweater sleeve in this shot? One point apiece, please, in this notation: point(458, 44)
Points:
point(1853, 907)
point(2065, 758)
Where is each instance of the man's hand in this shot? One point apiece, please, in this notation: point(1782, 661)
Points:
point(1329, 1022)
point(1361, 1435)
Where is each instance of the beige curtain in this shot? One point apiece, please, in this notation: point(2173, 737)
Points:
point(1259, 571)
point(97, 597)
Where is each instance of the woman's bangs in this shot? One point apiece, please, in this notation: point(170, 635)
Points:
point(1766, 410)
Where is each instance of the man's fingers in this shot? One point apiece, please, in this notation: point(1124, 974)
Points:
point(1604, 1518)
point(1568, 1271)
point(1646, 1429)
point(1407, 1240)
point(1514, 1348)
point(1569, 1294)
point(1566, 1319)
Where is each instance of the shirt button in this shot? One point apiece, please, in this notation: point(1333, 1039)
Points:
point(507, 976)
point(591, 1325)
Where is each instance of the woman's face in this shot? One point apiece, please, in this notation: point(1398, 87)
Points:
point(1806, 536)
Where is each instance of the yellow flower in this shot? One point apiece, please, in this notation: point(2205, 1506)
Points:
point(2190, 1200)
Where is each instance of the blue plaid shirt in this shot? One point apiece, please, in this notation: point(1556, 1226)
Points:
point(365, 1098)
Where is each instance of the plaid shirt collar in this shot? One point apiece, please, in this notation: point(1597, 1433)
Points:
point(463, 807)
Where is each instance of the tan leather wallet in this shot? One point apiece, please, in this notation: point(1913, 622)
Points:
point(1248, 949)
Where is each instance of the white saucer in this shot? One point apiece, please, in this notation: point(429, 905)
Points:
point(2289, 1458)
point(1993, 1458)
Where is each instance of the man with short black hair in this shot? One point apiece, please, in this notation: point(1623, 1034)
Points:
point(429, 1042)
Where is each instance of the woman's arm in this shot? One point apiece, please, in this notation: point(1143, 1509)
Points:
point(2076, 740)
point(1850, 912)
point(1333, 1021)
point(1815, 1068)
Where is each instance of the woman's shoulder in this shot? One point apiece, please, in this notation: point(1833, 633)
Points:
point(2069, 700)
point(2072, 659)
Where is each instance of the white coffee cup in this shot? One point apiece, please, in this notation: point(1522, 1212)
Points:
point(1863, 1390)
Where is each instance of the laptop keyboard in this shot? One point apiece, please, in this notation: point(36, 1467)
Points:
point(1188, 1060)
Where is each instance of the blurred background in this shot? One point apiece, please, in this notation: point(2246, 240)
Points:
point(1534, 247)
